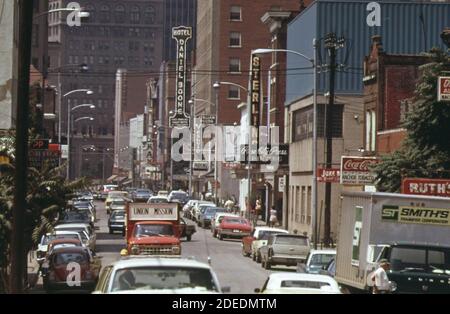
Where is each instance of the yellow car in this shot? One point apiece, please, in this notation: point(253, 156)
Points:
point(114, 195)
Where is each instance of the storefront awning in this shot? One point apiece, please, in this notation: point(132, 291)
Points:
point(111, 178)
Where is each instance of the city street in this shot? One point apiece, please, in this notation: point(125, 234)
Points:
point(233, 270)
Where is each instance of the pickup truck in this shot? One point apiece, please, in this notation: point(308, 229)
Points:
point(284, 249)
point(152, 229)
point(410, 231)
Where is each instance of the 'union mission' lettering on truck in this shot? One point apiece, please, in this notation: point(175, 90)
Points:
point(153, 211)
point(145, 212)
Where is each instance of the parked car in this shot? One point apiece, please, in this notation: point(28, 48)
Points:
point(158, 200)
point(187, 230)
point(196, 209)
point(42, 249)
point(163, 193)
point(316, 261)
point(200, 210)
point(116, 221)
point(295, 283)
point(259, 237)
point(329, 269)
point(284, 249)
point(142, 195)
point(59, 243)
point(180, 196)
point(208, 213)
point(233, 227)
point(87, 234)
point(215, 222)
point(158, 275)
point(56, 270)
point(76, 216)
point(116, 204)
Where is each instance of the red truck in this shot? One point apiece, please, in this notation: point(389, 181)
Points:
point(152, 229)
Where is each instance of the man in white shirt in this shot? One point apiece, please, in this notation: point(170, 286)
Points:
point(380, 278)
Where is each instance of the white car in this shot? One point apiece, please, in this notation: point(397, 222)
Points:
point(316, 261)
point(195, 210)
point(158, 200)
point(47, 238)
point(260, 236)
point(88, 236)
point(162, 275)
point(295, 283)
point(215, 222)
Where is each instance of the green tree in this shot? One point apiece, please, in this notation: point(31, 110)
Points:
point(425, 152)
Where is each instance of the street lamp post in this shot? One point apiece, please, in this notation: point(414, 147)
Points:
point(69, 110)
point(314, 152)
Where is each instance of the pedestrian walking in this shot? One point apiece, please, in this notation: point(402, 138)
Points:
point(273, 219)
point(380, 280)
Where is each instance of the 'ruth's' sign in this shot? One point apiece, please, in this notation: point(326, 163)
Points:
point(434, 187)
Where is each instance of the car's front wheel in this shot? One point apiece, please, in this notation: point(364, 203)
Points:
point(189, 237)
point(221, 237)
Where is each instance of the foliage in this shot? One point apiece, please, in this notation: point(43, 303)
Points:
point(425, 152)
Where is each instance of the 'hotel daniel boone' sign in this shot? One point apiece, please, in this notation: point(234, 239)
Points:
point(180, 118)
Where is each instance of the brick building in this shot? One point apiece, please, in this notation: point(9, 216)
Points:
point(389, 84)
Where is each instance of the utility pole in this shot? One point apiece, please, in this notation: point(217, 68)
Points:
point(22, 69)
point(332, 44)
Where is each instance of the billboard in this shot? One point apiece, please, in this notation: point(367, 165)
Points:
point(444, 88)
point(356, 170)
point(434, 187)
point(331, 175)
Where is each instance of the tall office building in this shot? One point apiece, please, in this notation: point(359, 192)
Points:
point(117, 35)
point(176, 13)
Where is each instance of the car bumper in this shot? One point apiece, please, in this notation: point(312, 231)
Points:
point(62, 285)
point(287, 260)
point(116, 226)
point(230, 233)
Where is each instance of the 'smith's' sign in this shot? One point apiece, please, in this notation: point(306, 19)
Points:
point(357, 170)
point(435, 187)
point(416, 215)
point(180, 118)
point(255, 81)
point(444, 88)
point(148, 212)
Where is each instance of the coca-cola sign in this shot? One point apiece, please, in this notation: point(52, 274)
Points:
point(444, 88)
point(357, 170)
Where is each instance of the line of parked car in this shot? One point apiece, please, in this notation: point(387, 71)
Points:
point(72, 242)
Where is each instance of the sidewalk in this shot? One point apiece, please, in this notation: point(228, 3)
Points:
point(34, 280)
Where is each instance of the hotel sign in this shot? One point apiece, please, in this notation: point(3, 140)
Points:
point(180, 118)
point(255, 81)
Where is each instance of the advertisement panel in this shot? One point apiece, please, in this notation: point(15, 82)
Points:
point(433, 187)
point(444, 88)
point(332, 175)
point(143, 212)
point(357, 171)
point(416, 215)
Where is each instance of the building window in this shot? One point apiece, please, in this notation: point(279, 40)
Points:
point(119, 14)
point(236, 13)
point(303, 207)
point(235, 39)
point(308, 207)
point(234, 92)
point(336, 120)
point(104, 14)
point(302, 124)
point(134, 15)
point(235, 65)
point(371, 130)
point(133, 46)
point(149, 15)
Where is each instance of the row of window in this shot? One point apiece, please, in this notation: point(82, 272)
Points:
point(300, 204)
point(119, 14)
point(106, 60)
point(107, 45)
point(106, 31)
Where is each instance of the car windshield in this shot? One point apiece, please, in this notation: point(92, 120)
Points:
point(157, 200)
point(118, 215)
point(157, 278)
point(405, 259)
point(211, 211)
point(304, 284)
point(52, 237)
point(75, 216)
point(153, 230)
point(118, 203)
point(80, 231)
point(291, 241)
point(66, 258)
point(233, 220)
point(142, 192)
point(321, 259)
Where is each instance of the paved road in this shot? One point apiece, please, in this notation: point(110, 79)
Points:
point(233, 270)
